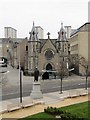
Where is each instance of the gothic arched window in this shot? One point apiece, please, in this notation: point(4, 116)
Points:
point(49, 54)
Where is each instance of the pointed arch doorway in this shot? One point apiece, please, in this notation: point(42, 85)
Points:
point(48, 66)
point(46, 74)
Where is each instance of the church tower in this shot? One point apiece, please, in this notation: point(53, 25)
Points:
point(62, 49)
point(33, 49)
point(61, 43)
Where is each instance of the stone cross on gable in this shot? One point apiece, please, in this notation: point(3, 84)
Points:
point(48, 35)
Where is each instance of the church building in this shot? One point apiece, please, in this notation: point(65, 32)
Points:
point(46, 54)
point(54, 56)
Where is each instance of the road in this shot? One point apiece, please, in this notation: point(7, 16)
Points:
point(13, 91)
point(11, 88)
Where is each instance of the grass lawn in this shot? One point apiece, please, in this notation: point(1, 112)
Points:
point(81, 110)
point(38, 116)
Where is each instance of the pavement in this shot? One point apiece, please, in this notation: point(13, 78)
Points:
point(54, 99)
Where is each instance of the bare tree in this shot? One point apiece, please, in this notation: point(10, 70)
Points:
point(62, 72)
point(85, 66)
point(82, 64)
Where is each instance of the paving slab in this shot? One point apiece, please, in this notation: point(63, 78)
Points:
point(40, 108)
point(54, 99)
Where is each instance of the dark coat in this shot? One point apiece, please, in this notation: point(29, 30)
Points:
point(45, 76)
point(36, 74)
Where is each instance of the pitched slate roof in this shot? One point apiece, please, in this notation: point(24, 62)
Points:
point(43, 41)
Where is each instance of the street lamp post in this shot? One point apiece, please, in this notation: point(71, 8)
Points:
point(61, 73)
point(61, 84)
point(20, 76)
point(20, 86)
point(86, 77)
point(62, 66)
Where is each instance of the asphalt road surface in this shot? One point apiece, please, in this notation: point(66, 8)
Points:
point(46, 86)
point(11, 86)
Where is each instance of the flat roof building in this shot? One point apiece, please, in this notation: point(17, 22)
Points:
point(89, 11)
point(80, 45)
point(39, 31)
point(10, 32)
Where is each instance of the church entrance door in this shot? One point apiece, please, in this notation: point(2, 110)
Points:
point(49, 66)
point(47, 73)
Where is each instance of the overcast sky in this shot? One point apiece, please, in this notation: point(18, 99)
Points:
point(48, 14)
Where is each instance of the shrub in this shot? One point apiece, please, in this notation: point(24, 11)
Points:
point(64, 114)
point(54, 111)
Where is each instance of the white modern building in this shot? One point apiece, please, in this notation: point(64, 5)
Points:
point(40, 32)
point(0, 48)
point(10, 32)
point(89, 11)
point(68, 31)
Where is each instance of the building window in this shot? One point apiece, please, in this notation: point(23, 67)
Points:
point(26, 48)
point(49, 54)
point(74, 47)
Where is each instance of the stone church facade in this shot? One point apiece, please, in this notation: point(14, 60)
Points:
point(46, 54)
